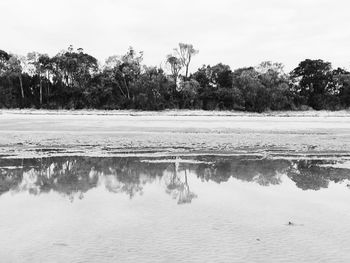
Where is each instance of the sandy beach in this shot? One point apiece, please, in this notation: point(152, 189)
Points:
point(107, 133)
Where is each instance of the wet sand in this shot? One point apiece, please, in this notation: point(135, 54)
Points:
point(100, 133)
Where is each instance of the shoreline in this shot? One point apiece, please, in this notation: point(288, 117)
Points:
point(34, 133)
point(308, 113)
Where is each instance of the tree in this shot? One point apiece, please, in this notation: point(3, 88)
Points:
point(175, 65)
point(216, 87)
point(271, 67)
point(203, 75)
point(34, 60)
point(313, 78)
point(45, 63)
point(185, 53)
point(221, 76)
point(6, 96)
point(123, 71)
point(277, 85)
point(341, 86)
point(189, 93)
point(4, 57)
point(73, 71)
point(151, 90)
point(207, 92)
point(11, 69)
point(74, 79)
point(255, 94)
point(16, 68)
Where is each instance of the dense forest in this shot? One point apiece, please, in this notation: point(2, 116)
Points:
point(73, 79)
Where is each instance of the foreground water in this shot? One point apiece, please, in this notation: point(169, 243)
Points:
point(174, 209)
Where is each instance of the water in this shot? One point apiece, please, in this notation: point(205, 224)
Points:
point(174, 209)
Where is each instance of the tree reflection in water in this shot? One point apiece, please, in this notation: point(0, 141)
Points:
point(177, 185)
point(74, 176)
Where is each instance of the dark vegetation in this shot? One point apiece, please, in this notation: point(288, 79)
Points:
point(74, 80)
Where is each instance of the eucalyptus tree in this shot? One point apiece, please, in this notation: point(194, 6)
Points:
point(175, 65)
point(130, 68)
point(15, 67)
point(11, 68)
point(123, 71)
point(185, 53)
point(36, 69)
point(45, 63)
point(72, 71)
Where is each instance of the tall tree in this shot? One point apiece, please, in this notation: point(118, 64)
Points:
point(16, 68)
point(45, 63)
point(185, 53)
point(33, 59)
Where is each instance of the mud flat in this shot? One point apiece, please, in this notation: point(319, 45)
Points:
point(108, 133)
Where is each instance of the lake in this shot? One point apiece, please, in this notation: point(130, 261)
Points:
point(175, 208)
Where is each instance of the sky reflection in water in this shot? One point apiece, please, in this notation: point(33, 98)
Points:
point(174, 209)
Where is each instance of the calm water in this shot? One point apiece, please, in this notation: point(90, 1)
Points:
point(174, 209)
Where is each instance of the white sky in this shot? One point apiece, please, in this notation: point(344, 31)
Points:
point(235, 32)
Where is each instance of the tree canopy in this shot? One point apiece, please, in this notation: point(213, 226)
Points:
point(73, 79)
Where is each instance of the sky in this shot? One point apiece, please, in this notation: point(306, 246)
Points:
point(235, 32)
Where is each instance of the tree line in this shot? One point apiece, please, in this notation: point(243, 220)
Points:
point(73, 79)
